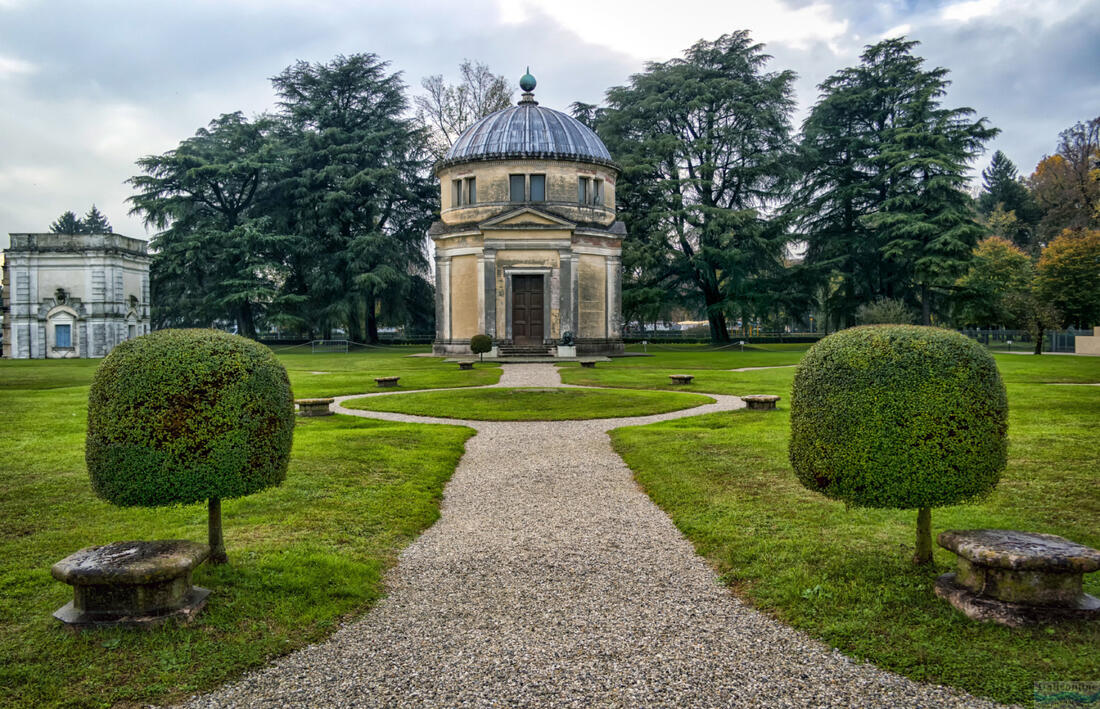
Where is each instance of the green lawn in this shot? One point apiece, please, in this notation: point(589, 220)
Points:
point(531, 404)
point(304, 556)
point(354, 372)
point(844, 575)
point(709, 366)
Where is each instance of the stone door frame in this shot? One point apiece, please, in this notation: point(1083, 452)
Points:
point(545, 273)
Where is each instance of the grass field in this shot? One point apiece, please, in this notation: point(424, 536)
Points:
point(844, 575)
point(304, 556)
point(531, 404)
point(710, 367)
point(354, 372)
point(313, 552)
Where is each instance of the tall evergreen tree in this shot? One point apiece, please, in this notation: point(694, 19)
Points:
point(703, 141)
point(67, 223)
point(882, 203)
point(217, 257)
point(356, 188)
point(95, 223)
point(1003, 189)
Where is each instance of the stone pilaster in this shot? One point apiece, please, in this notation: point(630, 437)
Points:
point(445, 287)
point(489, 295)
point(565, 307)
point(614, 297)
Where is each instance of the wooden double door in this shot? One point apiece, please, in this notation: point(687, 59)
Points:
point(527, 310)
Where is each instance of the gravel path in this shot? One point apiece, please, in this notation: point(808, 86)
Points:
point(757, 369)
point(552, 580)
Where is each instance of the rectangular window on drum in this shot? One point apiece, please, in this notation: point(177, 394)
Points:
point(63, 335)
point(517, 188)
point(582, 190)
point(456, 193)
point(597, 191)
point(538, 188)
point(471, 190)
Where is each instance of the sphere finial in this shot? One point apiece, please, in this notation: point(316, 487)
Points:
point(527, 82)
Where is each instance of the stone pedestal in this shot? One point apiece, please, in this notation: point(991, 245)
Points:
point(314, 407)
point(465, 365)
point(137, 584)
point(567, 351)
point(1018, 578)
point(588, 363)
point(760, 402)
point(386, 381)
point(681, 378)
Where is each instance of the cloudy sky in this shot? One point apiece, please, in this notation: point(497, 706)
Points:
point(88, 87)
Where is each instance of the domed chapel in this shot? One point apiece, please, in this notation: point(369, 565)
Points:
point(527, 248)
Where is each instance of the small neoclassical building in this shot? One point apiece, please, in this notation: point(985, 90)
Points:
point(73, 295)
point(527, 248)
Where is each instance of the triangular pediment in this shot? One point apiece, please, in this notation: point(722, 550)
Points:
point(527, 217)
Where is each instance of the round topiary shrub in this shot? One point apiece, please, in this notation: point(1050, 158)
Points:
point(899, 416)
point(480, 344)
point(182, 416)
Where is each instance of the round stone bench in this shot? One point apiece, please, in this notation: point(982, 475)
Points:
point(466, 365)
point(588, 363)
point(760, 402)
point(681, 378)
point(1018, 578)
point(314, 407)
point(137, 584)
point(386, 381)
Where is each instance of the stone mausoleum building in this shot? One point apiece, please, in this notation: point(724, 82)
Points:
point(73, 295)
point(527, 248)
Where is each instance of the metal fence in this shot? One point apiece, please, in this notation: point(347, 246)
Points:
point(998, 340)
point(1021, 340)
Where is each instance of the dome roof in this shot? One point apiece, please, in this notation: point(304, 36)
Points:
point(528, 130)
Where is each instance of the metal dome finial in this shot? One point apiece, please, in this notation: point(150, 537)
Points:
point(527, 82)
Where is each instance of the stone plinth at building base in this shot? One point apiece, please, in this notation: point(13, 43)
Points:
point(1018, 578)
point(132, 584)
point(977, 607)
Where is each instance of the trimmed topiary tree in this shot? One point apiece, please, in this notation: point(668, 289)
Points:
point(183, 416)
point(480, 344)
point(899, 416)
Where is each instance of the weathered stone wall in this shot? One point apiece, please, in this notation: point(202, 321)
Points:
point(592, 295)
point(1088, 344)
point(561, 190)
point(464, 300)
point(104, 279)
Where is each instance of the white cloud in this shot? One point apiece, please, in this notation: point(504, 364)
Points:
point(658, 30)
point(965, 11)
point(10, 66)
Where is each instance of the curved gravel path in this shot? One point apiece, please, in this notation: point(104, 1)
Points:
point(551, 579)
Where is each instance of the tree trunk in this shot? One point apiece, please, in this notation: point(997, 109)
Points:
point(355, 323)
point(372, 321)
point(214, 532)
point(718, 331)
point(923, 554)
point(1038, 342)
point(925, 305)
point(246, 323)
